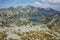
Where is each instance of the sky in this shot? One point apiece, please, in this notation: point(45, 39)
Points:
point(55, 4)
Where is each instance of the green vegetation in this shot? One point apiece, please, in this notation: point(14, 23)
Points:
point(3, 36)
point(34, 35)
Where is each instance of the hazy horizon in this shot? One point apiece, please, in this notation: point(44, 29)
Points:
point(55, 4)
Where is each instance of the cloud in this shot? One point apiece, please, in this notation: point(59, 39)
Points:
point(46, 4)
point(52, 2)
point(39, 4)
point(36, 3)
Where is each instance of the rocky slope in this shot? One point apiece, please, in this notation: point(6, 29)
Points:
point(25, 14)
point(29, 23)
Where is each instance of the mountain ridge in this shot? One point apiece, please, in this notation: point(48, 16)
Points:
point(29, 13)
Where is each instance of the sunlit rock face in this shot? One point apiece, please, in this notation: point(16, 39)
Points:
point(29, 23)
